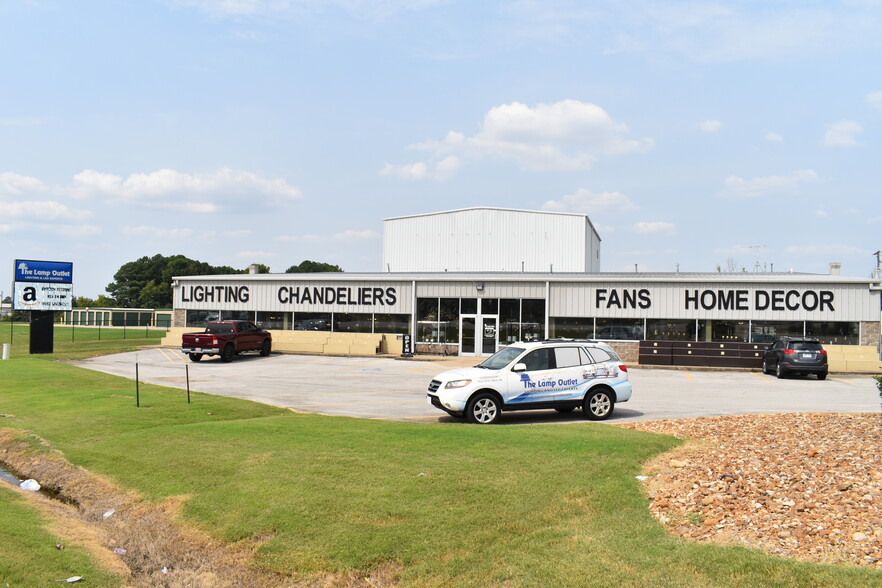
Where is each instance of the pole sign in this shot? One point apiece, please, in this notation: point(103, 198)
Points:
point(43, 285)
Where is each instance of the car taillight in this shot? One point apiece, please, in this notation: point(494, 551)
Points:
point(788, 351)
point(213, 340)
point(624, 368)
point(823, 352)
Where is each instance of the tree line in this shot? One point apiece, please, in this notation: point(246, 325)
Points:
point(146, 282)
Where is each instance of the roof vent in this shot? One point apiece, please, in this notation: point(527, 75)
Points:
point(835, 268)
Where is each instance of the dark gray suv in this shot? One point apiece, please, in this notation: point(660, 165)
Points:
point(795, 355)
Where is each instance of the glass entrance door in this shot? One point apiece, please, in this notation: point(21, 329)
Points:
point(479, 335)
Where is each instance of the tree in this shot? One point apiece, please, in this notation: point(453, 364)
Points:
point(308, 267)
point(146, 282)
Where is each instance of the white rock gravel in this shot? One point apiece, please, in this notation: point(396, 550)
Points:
point(800, 485)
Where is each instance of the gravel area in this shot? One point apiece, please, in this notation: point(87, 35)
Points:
point(800, 485)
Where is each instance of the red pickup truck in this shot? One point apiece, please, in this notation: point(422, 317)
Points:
point(227, 339)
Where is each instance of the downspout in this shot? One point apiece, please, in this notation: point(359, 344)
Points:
point(547, 306)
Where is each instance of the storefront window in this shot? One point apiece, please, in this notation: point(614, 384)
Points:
point(532, 320)
point(670, 330)
point(427, 309)
point(571, 328)
point(274, 320)
point(312, 321)
point(392, 323)
point(469, 306)
point(352, 323)
point(768, 331)
point(619, 329)
point(509, 321)
point(449, 309)
point(237, 315)
point(834, 333)
point(489, 305)
point(198, 318)
point(729, 331)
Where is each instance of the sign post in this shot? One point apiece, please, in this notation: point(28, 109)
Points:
point(43, 288)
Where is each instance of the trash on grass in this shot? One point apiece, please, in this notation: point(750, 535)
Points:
point(119, 550)
point(108, 514)
point(71, 580)
point(59, 546)
point(642, 478)
point(31, 485)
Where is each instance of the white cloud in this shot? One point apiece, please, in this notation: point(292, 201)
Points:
point(357, 235)
point(587, 202)
point(828, 252)
point(16, 185)
point(441, 170)
point(363, 9)
point(565, 135)
point(661, 228)
point(219, 191)
point(710, 126)
point(255, 254)
point(73, 231)
point(874, 99)
point(158, 233)
point(41, 210)
point(774, 137)
point(740, 188)
point(842, 134)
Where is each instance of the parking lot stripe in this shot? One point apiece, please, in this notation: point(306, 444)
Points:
point(689, 376)
point(763, 378)
point(174, 356)
point(842, 381)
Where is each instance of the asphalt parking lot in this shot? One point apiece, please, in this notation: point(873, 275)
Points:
point(395, 389)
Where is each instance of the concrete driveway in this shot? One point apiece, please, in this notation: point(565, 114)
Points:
point(395, 389)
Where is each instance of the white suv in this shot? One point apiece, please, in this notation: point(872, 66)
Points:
point(560, 373)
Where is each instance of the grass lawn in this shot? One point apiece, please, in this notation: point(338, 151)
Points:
point(451, 504)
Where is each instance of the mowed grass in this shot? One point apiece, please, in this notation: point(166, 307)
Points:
point(79, 342)
point(28, 556)
point(446, 504)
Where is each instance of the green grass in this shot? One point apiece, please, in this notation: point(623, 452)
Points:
point(80, 342)
point(28, 556)
point(454, 505)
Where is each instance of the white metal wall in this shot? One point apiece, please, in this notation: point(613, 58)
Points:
point(487, 239)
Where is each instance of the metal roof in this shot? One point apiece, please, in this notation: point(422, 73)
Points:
point(600, 277)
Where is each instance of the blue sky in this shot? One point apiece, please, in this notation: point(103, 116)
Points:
point(694, 134)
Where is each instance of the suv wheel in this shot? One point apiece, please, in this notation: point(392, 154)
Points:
point(266, 348)
point(822, 375)
point(483, 409)
point(598, 405)
point(228, 353)
point(779, 371)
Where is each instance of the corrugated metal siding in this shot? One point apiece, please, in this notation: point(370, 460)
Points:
point(850, 302)
point(490, 289)
point(490, 240)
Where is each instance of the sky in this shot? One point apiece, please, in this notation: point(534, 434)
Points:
point(695, 135)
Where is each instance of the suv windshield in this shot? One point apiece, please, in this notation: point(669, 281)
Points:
point(501, 358)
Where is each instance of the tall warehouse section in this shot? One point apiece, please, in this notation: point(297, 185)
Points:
point(487, 239)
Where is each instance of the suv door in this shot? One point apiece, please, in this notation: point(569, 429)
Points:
point(553, 374)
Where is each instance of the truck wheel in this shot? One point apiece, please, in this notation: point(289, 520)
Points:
point(195, 356)
point(228, 353)
point(267, 348)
